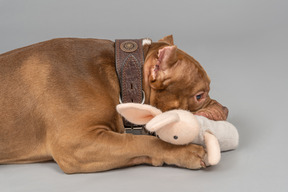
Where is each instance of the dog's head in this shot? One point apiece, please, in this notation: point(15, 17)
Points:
point(175, 80)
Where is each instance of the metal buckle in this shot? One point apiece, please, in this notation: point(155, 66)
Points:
point(136, 130)
point(143, 98)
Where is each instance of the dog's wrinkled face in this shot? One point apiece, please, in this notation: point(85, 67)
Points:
point(173, 79)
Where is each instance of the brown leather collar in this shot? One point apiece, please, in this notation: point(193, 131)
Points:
point(129, 58)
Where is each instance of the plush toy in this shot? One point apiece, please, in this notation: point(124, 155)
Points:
point(181, 127)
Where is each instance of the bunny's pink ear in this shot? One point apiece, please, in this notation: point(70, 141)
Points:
point(161, 121)
point(139, 114)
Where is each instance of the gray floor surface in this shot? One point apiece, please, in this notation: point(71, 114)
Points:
point(243, 46)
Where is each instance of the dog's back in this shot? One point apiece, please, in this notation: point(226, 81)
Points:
point(44, 84)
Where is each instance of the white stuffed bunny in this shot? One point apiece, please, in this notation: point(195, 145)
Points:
point(182, 127)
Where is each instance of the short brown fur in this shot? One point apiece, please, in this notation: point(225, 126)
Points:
point(58, 103)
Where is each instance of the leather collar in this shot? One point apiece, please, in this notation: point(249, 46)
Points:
point(129, 58)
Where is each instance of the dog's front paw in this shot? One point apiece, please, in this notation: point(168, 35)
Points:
point(187, 156)
point(197, 157)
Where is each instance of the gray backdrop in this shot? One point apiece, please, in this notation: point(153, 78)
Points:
point(241, 44)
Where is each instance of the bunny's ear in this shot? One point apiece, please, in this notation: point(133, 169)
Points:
point(162, 120)
point(139, 114)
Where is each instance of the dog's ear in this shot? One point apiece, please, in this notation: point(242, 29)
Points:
point(161, 121)
point(167, 57)
point(139, 114)
point(168, 39)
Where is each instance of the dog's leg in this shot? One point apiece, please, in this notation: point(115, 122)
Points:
point(101, 150)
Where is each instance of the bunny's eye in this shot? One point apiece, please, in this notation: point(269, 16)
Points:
point(175, 137)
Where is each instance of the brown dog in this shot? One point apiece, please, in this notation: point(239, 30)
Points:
point(58, 102)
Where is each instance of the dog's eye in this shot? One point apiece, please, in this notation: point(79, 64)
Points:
point(175, 137)
point(198, 97)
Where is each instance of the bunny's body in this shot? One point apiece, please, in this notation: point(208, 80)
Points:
point(226, 133)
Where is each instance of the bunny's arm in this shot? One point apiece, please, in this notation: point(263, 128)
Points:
point(212, 147)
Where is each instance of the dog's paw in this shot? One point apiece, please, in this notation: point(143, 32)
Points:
point(189, 156)
point(198, 156)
